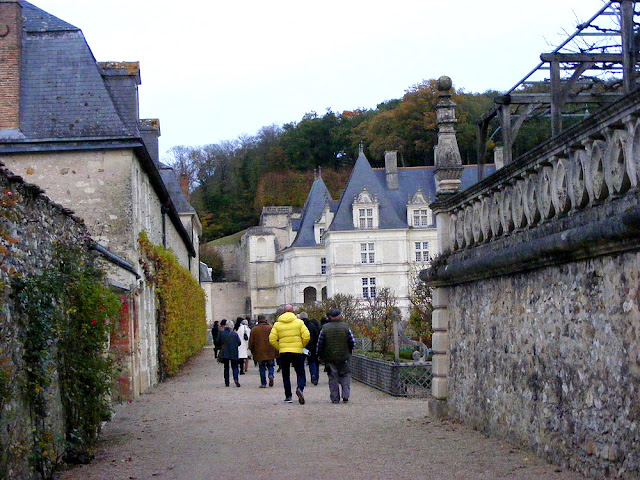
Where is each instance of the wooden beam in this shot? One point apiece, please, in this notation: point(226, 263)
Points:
point(581, 57)
point(545, 98)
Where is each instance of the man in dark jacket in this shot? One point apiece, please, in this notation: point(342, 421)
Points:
point(335, 344)
point(228, 342)
point(312, 357)
point(262, 351)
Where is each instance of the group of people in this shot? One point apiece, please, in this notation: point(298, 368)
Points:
point(292, 341)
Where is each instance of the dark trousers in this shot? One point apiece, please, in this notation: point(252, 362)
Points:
point(296, 360)
point(234, 367)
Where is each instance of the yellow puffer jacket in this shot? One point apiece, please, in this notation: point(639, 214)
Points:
point(289, 334)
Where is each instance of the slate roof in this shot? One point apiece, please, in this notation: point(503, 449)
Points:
point(65, 103)
point(363, 175)
point(313, 207)
point(392, 203)
point(172, 183)
point(63, 94)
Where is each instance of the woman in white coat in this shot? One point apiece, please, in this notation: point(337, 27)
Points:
point(242, 327)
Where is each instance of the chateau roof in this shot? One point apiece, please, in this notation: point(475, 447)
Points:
point(313, 207)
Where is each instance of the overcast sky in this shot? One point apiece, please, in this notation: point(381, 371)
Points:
point(215, 70)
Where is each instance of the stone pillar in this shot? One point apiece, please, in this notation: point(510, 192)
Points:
point(440, 342)
point(448, 161)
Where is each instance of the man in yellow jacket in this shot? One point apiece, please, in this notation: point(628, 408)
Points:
point(289, 336)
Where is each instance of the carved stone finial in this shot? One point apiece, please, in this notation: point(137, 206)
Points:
point(447, 159)
point(444, 83)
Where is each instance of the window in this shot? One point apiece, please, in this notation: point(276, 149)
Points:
point(365, 218)
point(369, 287)
point(422, 217)
point(367, 253)
point(422, 251)
point(322, 236)
point(323, 266)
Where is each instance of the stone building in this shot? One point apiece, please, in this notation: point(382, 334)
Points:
point(70, 125)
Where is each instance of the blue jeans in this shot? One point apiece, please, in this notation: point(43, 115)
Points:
point(314, 369)
point(288, 359)
point(235, 365)
point(263, 366)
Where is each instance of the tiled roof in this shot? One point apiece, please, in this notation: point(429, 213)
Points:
point(63, 95)
point(392, 203)
point(364, 176)
point(178, 198)
point(313, 207)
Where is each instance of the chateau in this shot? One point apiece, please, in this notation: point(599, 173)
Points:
point(377, 235)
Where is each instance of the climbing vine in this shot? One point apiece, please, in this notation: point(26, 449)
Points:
point(180, 302)
point(66, 314)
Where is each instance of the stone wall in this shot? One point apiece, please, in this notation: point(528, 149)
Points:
point(559, 377)
point(536, 321)
point(228, 299)
point(37, 225)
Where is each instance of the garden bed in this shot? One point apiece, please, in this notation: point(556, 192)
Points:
point(397, 379)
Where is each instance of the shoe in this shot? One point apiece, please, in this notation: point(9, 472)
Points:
point(271, 381)
point(263, 386)
point(300, 396)
point(241, 373)
point(335, 403)
point(315, 382)
point(237, 383)
point(226, 384)
point(288, 400)
point(345, 400)
point(279, 370)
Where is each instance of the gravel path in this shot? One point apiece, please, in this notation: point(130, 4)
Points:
point(192, 427)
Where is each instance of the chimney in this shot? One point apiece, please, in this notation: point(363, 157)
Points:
point(10, 59)
point(150, 132)
point(122, 80)
point(184, 185)
point(391, 168)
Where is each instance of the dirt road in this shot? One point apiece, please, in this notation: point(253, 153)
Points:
point(192, 427)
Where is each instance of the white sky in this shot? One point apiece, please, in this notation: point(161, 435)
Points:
point(215, 70)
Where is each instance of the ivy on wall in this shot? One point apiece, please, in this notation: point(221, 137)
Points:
point(182, 328)
point(66, 314)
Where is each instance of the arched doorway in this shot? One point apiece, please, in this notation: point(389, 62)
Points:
point(310, 295)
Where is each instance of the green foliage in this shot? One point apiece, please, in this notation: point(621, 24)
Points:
point(181, 307)
point(214, 261)
point(67, 314)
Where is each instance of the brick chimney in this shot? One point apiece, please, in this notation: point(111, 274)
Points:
point(391, 168)
point(184, 184)
point(10, 65)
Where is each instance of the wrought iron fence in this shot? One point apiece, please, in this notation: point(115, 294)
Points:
point(398, 379)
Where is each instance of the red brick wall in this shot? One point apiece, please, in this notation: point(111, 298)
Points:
point(10, 52)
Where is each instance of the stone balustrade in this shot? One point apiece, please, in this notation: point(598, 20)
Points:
point(568, 180)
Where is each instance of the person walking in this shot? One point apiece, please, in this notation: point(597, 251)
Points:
point(312, 358)
point(228, 343)
point(243, 352)
point(215, 329)
point(335, 344)
point(289, 336)
point(262, 351)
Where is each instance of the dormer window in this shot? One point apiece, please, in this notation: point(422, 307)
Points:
point(365, 210)
point(419, 214)
point(422, 217)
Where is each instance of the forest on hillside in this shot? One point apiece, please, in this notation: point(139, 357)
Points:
point(232, 180)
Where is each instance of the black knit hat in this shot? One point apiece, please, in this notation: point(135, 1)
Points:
point(334, 313)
